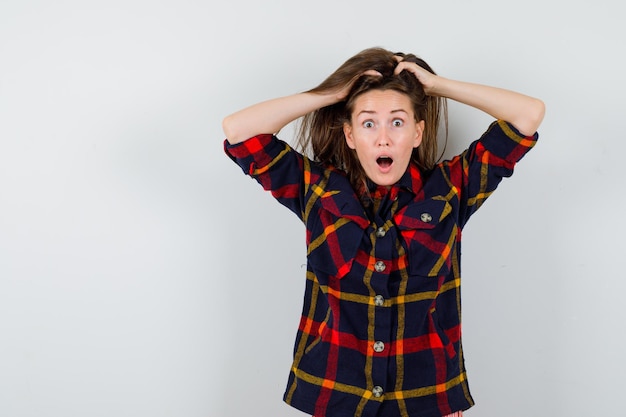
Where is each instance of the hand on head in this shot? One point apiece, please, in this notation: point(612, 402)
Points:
point(343, 93)
point(426, 78)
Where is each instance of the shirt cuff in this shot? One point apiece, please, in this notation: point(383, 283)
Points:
point(505, 141)
point(258, 151)
point(248, 147)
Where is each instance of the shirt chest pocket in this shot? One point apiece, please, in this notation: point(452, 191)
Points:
point(335, 230)
point(429, 233)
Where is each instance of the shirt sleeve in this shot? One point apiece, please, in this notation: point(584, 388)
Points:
point(477, 171)
point(273, 164)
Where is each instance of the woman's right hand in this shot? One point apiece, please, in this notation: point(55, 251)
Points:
point(342, 94)
point(272, 115)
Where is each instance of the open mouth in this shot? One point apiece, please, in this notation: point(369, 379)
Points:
point(384, 161)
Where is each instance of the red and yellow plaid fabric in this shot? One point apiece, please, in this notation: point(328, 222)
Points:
point(380, 333)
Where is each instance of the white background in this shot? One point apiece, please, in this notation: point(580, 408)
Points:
point(142, 274)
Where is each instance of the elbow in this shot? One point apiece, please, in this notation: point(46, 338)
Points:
point(228, 127)
point(532, 118)
point(539, 112)
point(236, 129)
point(232, 129)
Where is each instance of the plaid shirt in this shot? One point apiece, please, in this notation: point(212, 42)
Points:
point(380, 333)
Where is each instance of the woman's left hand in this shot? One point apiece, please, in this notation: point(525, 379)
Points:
point(426, 78)
point(523, 112)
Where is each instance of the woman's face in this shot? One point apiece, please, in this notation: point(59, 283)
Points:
point(383, 131)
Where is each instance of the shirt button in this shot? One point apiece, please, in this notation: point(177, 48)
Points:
point(379, 347)
point(380, 266)
point(379, 301)
point(426, 217)
point(377, 391)
point(380, 232)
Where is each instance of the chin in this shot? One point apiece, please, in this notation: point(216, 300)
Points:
point(385, 182)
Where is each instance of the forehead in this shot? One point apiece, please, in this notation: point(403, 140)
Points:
point(382, 102)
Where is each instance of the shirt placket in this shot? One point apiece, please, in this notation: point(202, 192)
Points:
point(383, 238)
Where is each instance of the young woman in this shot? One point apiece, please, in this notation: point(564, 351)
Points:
point(380, 332)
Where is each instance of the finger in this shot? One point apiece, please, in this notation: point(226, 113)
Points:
point(372, 73)
point(403, 65)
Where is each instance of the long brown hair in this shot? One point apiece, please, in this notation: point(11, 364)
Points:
point(321, 132)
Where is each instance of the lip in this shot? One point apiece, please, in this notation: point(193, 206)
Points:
point(384, 168)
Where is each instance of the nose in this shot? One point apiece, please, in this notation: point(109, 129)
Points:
point(383, 137)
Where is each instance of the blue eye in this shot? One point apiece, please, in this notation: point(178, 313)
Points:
point(397, 123)
point(368, 124)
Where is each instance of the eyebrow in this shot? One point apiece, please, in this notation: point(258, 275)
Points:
point(373, 112)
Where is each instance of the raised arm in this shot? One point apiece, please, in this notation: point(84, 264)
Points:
point(523, 112)
point(272, 115)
